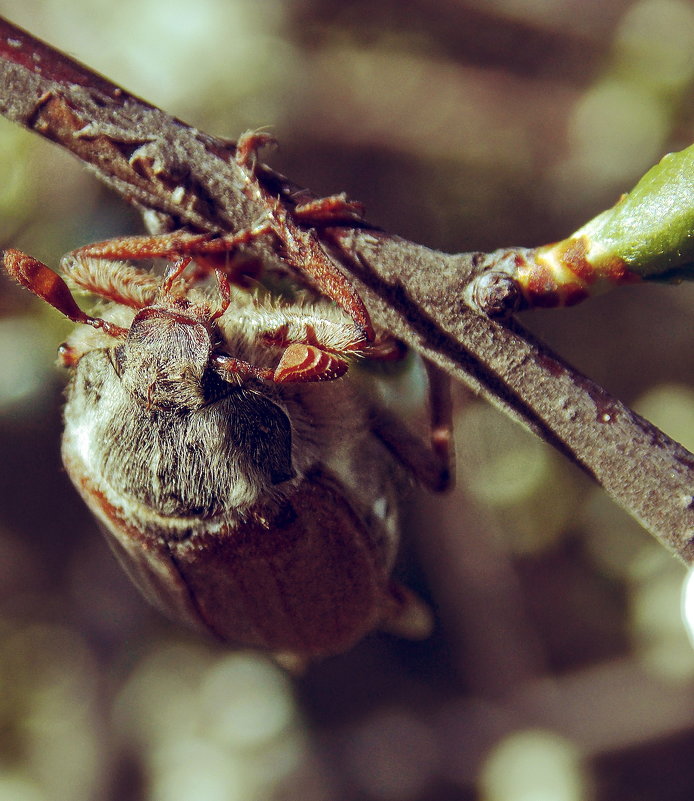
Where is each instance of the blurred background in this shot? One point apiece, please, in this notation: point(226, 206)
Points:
point(561, 668)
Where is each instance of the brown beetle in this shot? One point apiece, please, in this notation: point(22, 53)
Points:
point(245, 492)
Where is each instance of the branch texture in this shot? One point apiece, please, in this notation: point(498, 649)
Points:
point(184, 178)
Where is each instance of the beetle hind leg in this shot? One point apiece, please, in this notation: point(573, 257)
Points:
point(441, 423)
point(407, 615)
point(432, 463)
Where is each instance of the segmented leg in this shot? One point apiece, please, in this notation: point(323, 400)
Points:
point(332, 210)
point(432, 466)
point(212, 254)
point(301, 248)
point(229, 366)
point(441, 421)
point(174, 245)
point(249, 144)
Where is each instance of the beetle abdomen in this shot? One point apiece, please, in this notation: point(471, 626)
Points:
point(308, 580)
point(311, 584)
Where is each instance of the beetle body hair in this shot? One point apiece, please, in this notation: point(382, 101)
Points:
point(276, 472)
point(245, 478)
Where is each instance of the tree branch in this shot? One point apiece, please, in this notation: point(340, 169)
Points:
point(188, 178)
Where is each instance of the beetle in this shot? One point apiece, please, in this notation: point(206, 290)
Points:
point(245, 478)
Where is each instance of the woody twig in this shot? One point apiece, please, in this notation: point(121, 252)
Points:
point(184, 178)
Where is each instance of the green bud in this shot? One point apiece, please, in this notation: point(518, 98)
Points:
point(651, 228)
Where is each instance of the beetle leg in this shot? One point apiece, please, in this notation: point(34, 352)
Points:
point(173, 245)
point(301, 248)
point(49, 286)
point(332, 210)
point(224, 292)
point(248, 145)
point(173, 272)
point(431, 465)
point(210, 251)
point(170, 245)
point(441, 421)
point(305, 253)
point(298, 364)
point(228, 365)
point(407, 615)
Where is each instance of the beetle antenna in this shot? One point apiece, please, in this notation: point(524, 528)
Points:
point(49, 286)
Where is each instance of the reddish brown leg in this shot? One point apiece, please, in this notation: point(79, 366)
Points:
point(441, 421)
point(302, 249)
point(431, 466)
point(298, 364)
point(332, 210)
point(224, 292)
point(173, 272)
point(211, 253)
point(173, 245)
point(49, 286)
point(249, 144)
point(406, 614)
point(304, 252)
